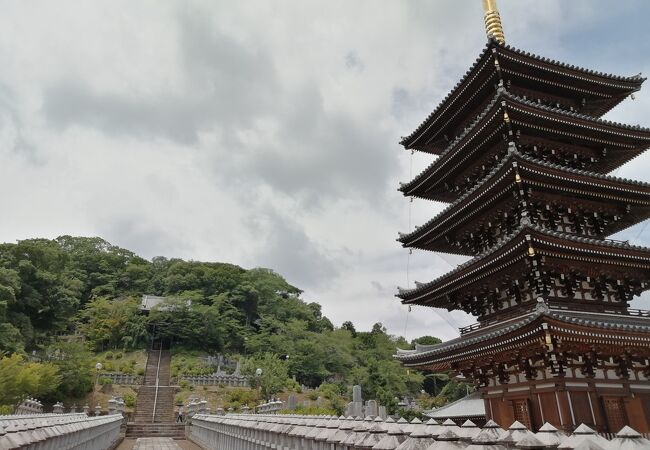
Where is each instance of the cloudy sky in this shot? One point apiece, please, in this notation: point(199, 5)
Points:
point(264, 133)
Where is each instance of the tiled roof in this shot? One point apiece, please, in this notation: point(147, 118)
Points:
point(484, 54)
point(404, 186)
point(149, 301)
point(501, 94)
point(603, 320)
point(469, 406)
point(574, 114)
point(629, 79)
point(519, 231)
point(617, 322)
point(482, 334)
point(513, 153)
point(607, 79)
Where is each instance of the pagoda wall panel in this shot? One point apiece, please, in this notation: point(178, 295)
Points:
point(581, 405)
point(639, 413)
point(499, 410)
point(568, 401)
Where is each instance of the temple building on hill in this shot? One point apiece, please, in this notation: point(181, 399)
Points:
point(523, 162)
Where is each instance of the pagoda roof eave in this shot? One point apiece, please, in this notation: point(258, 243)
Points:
point(485, 123)
point(524, 324)
point(427, 293)
point(627, 85)
point(409, 141)
point(477, 194)
point(482, 334)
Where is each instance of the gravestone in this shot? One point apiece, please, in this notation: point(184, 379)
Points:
point(357, 402)
point(292, 401)
point(371, 408)
point(356, 393)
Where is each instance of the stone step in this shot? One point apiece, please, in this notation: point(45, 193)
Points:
point(168, 429)
point(156, 374)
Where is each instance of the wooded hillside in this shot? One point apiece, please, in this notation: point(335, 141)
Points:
point(88, 287)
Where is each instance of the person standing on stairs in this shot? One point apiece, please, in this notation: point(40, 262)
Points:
point(180, 417)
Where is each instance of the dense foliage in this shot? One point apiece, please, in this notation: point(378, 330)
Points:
point(52, 291)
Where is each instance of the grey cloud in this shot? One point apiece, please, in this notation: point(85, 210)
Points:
point(228, 86)
point(286, 248)
point(75, 103)
point(410, 106)
point(322, 155)
point(12, 123)
point(354, 62)
point(143, 236)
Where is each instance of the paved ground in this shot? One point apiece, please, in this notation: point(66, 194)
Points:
point(156, 444)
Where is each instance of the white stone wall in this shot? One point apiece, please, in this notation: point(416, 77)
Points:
point(59, 432)
point(293, 432)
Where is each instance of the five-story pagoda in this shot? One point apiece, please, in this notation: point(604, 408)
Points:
point(523, 162)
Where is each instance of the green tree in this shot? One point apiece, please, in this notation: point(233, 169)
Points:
point(274, 376)
point(425, 340)
point(76, 367)
point(111, 323)
point(20, 379)
point(350, 327)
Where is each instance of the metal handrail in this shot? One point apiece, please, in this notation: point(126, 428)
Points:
point(155, 398)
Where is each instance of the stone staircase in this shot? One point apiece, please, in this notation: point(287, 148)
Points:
point(172, 430)
point(156, 392)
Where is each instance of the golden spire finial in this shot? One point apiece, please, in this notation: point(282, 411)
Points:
point(493, 25)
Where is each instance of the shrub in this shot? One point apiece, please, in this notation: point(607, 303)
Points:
point(140, 371)
point(129, 399)
point(119, 355)
point(109, 355)
point(242, 396)
point(104, 380)
point(329, 390)
point(184, 384)
point(293, 385)
point(310, 411)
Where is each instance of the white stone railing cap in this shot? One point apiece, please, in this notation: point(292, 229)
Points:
point(488, 435)
point(583, 429)
point(628, 432)
point(448, 435)
point(377, 428)
point(469, 424)
point(531, 442)
point(347, 424)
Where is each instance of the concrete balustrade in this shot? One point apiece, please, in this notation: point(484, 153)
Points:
point(216, 380)
point(295, 432)
point(59, 432)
